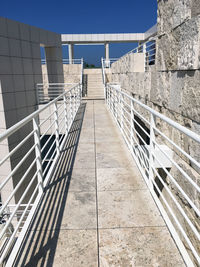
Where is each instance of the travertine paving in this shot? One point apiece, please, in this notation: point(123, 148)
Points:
point(97, 210)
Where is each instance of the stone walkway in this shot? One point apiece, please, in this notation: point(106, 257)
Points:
point(97, 210)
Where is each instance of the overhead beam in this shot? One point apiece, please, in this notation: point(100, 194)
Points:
point(102, 38)
point(108, 37)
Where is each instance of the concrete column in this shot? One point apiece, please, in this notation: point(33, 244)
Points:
point(54, 68)
point(54, 64)
point(107, 61)
point(71, 53)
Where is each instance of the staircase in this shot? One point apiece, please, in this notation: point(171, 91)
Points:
point(94, 84)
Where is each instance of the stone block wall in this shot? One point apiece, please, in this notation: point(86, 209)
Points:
point(71, 73)
point(172, 87)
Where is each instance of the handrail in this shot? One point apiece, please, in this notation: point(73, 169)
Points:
point(153, 151)
point(147, 47)
point(66, 61)
point(176, 125)
point(34, 167)
point(21, 123)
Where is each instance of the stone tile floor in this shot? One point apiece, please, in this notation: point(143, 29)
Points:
point(97, 210)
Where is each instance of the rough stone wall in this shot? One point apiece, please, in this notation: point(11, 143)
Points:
point(71, 73)
point(172, 87)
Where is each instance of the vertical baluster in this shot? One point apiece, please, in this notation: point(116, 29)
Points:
point(109, 98)
point(38, 154)
point(65, 113)
point(71, 108)
point(121, 106)
point(145, 55)
point(56, 128)
point(151, 149)
point(132, 125)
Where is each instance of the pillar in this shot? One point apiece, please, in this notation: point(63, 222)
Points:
point(54, 64)
point(107, 61)
point(54, 68)
point(71, 53)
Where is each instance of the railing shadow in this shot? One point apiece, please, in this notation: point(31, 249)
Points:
point(40, 243)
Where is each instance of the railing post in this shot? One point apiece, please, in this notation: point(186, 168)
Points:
point(38, 154)
point(110, 98)
point(80, 95)
point(132, 124)
point(74, 103)
point(151, 150)
point(145, 55)
point(71, 108)
point(121, 110)
point(56, 128)
point(118, 105)
point(65, 113)
point(81, 82)
point(106, 89)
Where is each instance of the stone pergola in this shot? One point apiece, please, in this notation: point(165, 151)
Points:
point(104, 39)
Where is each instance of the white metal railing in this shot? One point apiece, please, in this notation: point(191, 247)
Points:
point(174, 187)
point(148, 48)
point(67, 61)
point(36, 147)
point(49, 91)
point(107, 63)
point(81, 75)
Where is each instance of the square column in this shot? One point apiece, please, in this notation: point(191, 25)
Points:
point(107, 61)
point(71, 53)
point(54, 64)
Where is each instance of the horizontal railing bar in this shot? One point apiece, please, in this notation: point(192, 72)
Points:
point(179, 148)
point(18, 125)
point(17, 187)
point(17, 206)
point(45, 144)
point(177, 222)
point(49, 162)
point(17, 227)
point(52, 84)
point(43, 121)
point(16, 167)
point(177, 204)
point(49, 150)
point(182, 171)
point(141, 128)
point(44, 134)
point(17, 147)
point(179, 127)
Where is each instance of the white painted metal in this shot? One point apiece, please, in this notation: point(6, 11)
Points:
point(67, 61)
point(148, 48)
point(153, 155)
point(44, 157)
point(49, 91)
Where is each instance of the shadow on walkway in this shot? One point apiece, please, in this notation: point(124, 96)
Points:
point(40, 244)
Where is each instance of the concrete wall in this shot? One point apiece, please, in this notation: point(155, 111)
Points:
point(20, 70)
point(71, 73)
point(172, 87)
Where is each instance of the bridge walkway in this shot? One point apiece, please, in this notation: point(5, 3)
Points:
point(97, 210)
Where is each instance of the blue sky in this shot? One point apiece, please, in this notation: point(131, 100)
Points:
point(72, 16)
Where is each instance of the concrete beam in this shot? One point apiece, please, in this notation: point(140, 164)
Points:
point(102, 38)
point(108, 37)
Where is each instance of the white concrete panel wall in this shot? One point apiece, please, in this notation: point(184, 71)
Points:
point(20, 71)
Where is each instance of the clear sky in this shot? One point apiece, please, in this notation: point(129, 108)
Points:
point(86, 16)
